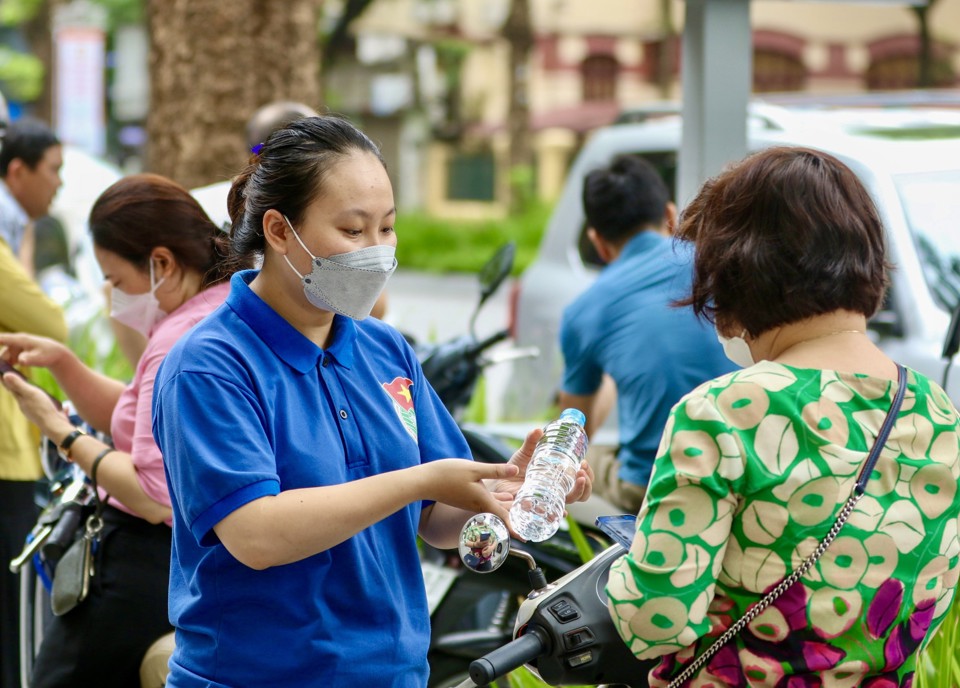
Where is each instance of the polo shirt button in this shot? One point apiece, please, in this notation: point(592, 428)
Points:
point(325, 362)
point(343, 414)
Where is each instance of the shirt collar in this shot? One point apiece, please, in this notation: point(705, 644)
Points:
point(284, 339)
point(641, 242)
point(7, 199)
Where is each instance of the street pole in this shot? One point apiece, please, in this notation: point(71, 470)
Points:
point(716, 81)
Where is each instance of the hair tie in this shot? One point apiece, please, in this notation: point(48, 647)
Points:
point(256, 149)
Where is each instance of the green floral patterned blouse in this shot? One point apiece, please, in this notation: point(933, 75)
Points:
point(751, 473)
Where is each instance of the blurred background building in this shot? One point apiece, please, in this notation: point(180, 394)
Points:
point(475, 103)
point(432, 78)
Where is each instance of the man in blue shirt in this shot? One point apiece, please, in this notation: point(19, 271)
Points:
point(622, 338)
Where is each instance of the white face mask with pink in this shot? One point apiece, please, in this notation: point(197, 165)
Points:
point(139, 312)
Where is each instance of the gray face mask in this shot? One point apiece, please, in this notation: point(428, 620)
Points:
point(346, 283)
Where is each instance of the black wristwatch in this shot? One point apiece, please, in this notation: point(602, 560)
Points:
point(69, 440)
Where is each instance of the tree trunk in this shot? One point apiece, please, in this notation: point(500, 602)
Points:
point(212, 63)
point(518, 31)
point(38, 31)
point(666, 49)
point(925, 78)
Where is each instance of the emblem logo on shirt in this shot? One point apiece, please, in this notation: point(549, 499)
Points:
point(400, 395)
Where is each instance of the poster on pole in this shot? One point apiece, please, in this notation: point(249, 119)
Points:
point(79, 76)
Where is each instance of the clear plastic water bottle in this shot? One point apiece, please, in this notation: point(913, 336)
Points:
point(539, 504)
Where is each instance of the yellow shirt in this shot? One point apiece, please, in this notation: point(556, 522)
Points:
point(23, 308)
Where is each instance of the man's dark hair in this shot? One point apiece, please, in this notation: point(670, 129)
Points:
point(785, 235)
point(27, 139)
point(624, 198)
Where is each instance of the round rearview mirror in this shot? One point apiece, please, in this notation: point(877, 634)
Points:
point(484, 543)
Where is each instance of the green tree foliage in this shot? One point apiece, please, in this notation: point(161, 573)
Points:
point(21, 75)
point(17, 12)
point(122, 12)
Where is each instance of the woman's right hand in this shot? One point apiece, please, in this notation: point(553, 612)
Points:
point(459, 483)
point(31, 350)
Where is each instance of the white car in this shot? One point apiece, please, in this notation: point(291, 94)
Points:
point(907, 157)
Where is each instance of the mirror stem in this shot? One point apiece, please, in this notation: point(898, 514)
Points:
point(536, 576)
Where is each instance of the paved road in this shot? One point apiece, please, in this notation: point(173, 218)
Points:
point(436, 308)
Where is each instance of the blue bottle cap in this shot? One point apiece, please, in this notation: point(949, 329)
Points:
point(575, 415)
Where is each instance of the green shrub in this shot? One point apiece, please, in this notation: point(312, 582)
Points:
point(439, 245)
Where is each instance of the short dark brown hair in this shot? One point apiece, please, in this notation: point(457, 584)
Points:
point(784, 235)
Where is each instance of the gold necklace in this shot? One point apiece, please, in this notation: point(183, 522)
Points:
point(830, 334)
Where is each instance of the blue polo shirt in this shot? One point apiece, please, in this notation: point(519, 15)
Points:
point(246, 406)
point(624, 325)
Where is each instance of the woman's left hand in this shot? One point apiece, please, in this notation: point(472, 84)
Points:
point(582, 486)
point(38, 407)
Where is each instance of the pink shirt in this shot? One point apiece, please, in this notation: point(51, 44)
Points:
point(131, 425)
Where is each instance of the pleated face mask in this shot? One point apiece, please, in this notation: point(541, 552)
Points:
point(346, 283)
point(137, 311)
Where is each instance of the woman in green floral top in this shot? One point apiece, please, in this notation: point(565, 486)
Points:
point(754, 466)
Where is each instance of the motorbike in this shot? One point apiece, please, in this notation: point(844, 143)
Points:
point(563, 632)
point(66, 496)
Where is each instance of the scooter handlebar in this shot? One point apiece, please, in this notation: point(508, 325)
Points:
point(490, 341)
point(63, 533)
point(505, 659)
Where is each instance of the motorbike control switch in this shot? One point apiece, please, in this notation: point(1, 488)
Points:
point(580, 659)
point(578, 638)
point(564, 612)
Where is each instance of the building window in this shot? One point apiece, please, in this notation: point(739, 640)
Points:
point(903, 71)
point(777, 71)
point(599, 77)
point(895, 63)
point(471, 177)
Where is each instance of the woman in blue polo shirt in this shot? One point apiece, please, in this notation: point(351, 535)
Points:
point(304, 449)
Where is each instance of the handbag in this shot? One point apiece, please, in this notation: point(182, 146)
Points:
point(75, 570)
point(71, 581)
point(856, 494)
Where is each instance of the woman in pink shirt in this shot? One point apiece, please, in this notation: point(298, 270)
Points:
point(167, 265)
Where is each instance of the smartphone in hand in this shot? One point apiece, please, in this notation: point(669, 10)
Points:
point(7, 368)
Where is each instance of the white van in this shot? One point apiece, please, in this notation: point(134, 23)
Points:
point(909, 160)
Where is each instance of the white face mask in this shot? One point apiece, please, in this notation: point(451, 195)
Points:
point(346, 283)
point(736, 349)
point(137, 311)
